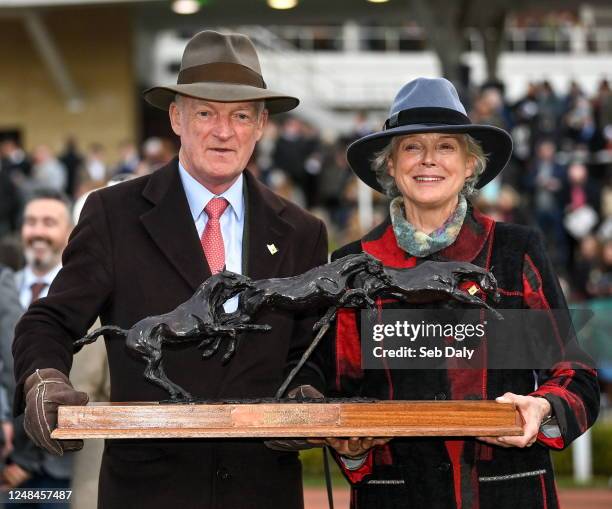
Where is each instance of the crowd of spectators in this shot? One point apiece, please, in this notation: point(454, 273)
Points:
point(559, 178)
point(530, 30)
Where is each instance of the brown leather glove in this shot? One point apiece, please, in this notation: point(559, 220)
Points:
point(296, 444)
point(45, 390)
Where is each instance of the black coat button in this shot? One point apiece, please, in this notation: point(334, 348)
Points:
point(440, 396)
point(444, 467)
point(223, 474)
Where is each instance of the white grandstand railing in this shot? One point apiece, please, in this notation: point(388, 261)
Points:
point(334, 84)
point(563, 39)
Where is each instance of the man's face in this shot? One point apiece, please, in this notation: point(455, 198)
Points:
point(44, 234)
point(217, 139)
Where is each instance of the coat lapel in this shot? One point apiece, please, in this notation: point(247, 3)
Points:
point(267, 232)
point(170, 225)
point(472, 237)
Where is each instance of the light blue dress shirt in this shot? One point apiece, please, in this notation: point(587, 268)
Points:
point(231, 221)
point(27, 278)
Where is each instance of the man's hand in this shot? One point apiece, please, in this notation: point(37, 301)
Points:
point(45, 390)
point(354, 447)
point(532, 410)
point(13, 476)
point(300, 393)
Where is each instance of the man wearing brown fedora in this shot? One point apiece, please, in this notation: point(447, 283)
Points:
point(143, 247)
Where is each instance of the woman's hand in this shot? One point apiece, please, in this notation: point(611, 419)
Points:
point(353, 447)
point(532, 410)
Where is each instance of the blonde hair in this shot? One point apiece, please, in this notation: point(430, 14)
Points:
point(379, 165)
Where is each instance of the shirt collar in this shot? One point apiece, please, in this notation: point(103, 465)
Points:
point(29, 278)
point(198, 196)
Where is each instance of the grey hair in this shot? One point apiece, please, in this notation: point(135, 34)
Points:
point(259, 105)
point(381, 158)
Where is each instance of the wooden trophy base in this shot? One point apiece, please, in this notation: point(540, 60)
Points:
point(288, 420)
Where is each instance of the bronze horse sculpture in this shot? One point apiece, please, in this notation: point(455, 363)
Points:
point(199, 317)
point(352, 281)
point(330, 286)
point(432, 281)
point(425, 283)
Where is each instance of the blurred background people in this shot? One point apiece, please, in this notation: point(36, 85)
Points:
point(10, 312)
point(48, 172)
point(46, 227)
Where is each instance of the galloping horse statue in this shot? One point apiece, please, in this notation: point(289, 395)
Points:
point(330, 286)
point(199, 317)
point(353, 281)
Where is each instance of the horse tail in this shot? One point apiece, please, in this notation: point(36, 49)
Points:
point(111, 330)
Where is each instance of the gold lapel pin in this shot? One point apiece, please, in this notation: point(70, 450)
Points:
point(272, 248)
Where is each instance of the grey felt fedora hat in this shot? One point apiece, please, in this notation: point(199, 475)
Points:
point(221, 68)
point(427, 105)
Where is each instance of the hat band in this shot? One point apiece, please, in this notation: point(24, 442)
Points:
point(430, 115)
point(223, 72)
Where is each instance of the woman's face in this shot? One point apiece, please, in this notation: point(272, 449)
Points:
point(430, 168)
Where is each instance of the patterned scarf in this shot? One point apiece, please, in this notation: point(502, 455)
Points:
point(418, 243)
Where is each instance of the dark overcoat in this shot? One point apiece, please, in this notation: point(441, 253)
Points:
point(135, 253)
point(448, 474)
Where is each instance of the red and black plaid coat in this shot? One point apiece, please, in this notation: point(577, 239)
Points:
point(436, 473)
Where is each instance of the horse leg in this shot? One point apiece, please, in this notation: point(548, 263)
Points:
point(356, 296)
point(151, 374)
point(174, 389)
point(327, 318)
point(231, 332)
point(208, 353)
point(352, 297)
point(205, 342)
point(249, 328)
point(231, 349)
point(476, 302)
point(154, 372)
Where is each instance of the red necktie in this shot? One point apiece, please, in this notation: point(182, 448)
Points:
point(212, 239)
point(37, 289)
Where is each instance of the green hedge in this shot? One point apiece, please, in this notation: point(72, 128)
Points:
point(601, 442)
point(312, 462)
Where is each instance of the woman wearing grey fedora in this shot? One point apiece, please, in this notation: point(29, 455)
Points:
point(429, 159)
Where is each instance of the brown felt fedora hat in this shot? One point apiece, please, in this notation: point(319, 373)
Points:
point(221, 68)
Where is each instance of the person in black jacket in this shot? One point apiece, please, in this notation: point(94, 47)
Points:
point(429, 158)
point(10, 203)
